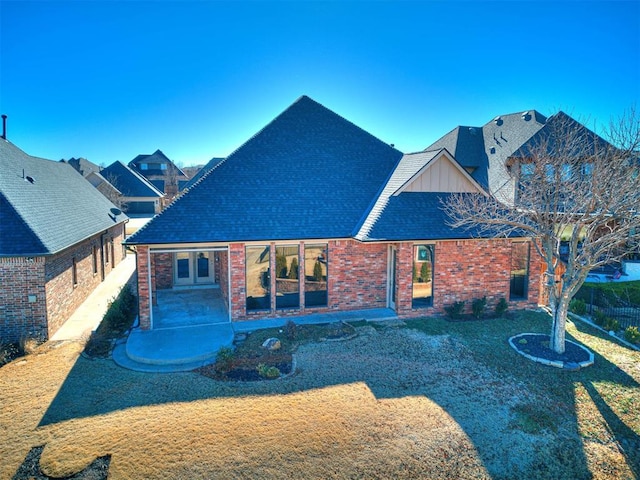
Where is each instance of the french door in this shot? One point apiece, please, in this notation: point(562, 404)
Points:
point(191, 268)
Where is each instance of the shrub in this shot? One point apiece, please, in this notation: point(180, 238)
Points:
point(501, 307)
point(224, 359)
point(293, 271)
point(611, 324)
point(317, 271)
point(578, 306)
point(478, 306)
point(290, 330)
point(632, 335)
point(281, 266)
point(425, 272)
point(455, 310)
point(599, 317)
point(268, 372)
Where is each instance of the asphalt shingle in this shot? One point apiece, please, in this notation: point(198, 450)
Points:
point(47, 206)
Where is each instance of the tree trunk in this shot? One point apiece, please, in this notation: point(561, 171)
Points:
point(559, 325)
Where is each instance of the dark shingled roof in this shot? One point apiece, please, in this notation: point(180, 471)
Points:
point(129, 182)
point(308, 174)
point(46, 206)
point(417, 216)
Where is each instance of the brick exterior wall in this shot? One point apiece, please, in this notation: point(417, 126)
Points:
point(40, 293)
point(163, 263)
point(358, 277)
point(23, 311)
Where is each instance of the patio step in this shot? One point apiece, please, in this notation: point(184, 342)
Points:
point(178, 346)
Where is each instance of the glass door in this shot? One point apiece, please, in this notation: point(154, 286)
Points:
point(183, 268)
point(392, 287)
point(203, 267)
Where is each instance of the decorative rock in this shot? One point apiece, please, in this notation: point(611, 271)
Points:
point(272, 344)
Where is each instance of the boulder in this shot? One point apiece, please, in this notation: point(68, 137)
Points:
point(272, 344)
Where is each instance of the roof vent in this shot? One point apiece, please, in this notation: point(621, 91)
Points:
point(498, 121)
point(30, 179)
point(526, 116)
point(493, 150)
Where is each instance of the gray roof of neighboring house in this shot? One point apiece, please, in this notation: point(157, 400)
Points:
point(308, 174)
point(47, 206)
point(129, 182)
point(211, 164)
point(487, 148)
point(155, 157)
point(83, 166)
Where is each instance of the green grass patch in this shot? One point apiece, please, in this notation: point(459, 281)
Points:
point(533, 419)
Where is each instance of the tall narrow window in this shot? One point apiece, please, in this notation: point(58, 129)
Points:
point(74, 272)
point(287, 278)
point(422, 276)
point(519, 271)
point(258, 278)
point(94, 259)
point(315, 275)
point(113, 251)
point(105, 248)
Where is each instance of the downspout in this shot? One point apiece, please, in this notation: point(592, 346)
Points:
point(229, 281)
point(150, 291)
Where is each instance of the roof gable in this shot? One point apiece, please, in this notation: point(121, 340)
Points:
point(129, 182)
point(47, 206)
point(157, 157)
point(441, 173)
point(308, 174)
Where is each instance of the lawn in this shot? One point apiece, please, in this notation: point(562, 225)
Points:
point(431, 399)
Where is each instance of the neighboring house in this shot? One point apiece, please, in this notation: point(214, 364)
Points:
point(59, 238)
point(137, 194)
point(84, 166)
point(211, 164)
point(495, 154)
point(313, 215)
point(161, 172)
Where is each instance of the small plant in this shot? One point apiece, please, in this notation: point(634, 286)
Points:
point(268, 372)
point(27, 345)
point(523, 341)
point(478, 307)
point(455, 310)
point(290, 330)
point(632, 335)
point(224, 359)
point(578, 306)
point(501, 307)
point(317, 271)
point(293, 270)
point(611, 324)
point(599, 317)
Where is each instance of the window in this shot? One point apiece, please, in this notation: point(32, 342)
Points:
point(258, 278)
point(315, 275)
point(144, 166)
point(106, 253)
point(163, 166)
point(519, 271)
point(74, 272)
point(94, 259)
point(287, 281)
point(422, 276)
point(113, 251)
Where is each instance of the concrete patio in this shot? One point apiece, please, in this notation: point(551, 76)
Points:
point(191, 325)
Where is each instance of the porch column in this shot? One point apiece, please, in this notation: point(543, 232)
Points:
point(144, 294)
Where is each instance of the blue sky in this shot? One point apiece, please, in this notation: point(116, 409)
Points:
point(109, 80)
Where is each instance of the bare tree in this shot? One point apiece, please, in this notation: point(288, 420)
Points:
point(577, 198)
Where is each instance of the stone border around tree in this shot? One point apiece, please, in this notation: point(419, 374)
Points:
point(554, 363)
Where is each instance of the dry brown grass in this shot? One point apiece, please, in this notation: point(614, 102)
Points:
point(392, 403)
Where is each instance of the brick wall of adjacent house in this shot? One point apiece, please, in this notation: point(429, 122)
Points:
point(38, 294)
point(63, 296)
point(22, 299)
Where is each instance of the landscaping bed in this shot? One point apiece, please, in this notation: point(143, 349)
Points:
point(250, 360)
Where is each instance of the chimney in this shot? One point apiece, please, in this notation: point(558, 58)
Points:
point(4, 126)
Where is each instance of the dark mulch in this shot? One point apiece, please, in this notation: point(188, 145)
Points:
point(30, 468)
point(537, 345)
point(252, 375)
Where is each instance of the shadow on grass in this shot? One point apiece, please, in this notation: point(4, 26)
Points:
point(99, 387)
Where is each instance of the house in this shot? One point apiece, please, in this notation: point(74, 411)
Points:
point(83, 166)
point(211, 164)
point(137, 194)
point(59, 238)
point(165, 175)
point(315, 215)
